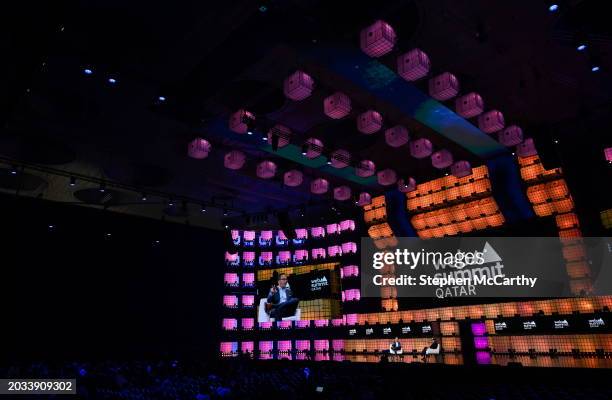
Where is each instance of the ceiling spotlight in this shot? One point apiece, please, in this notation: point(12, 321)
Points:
point(203, 208)
point(265, 139)
point(581, 47)
point(156, 242)
point(226, 227)
point(304, 149)
point(595, 68)
point(14, 170)
point(170, 203)
point(556, 141)
point(225, 212)
point(102, 188)
point(143, 197)
point(108, 235)
point(249, 132)
point(112, 81)
point(329, 161)
point(72, 181)
point(161, 98)
point(88, 71)
point(51, 227)
point(553, 6)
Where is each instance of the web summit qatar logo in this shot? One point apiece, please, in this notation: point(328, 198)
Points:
point(318, 284)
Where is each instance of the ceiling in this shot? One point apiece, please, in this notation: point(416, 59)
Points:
point(208, 59)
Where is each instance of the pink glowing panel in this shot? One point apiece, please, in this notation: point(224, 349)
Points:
point(321, 344)
point(338, 344)
point(230, 301)
point(469, 105)
point(234, 160)
point(301, 233)
point(230, 324)
point(350, 319)
point(302, 345)
point(319, 186)
point(248, 257)
point(377, 39)
point(421, 148)
point(265, 258)
point(232, 259)
point(282, 132)
point(334, 251)
point(231, 279)
point(303, 323)
point(369, 122)
point(365, 199)
point(235, 234)
point(293, 178)
point(527, 148)
point(461, 169)
point(511, 136)
point(248, 279)
point(608, 154)
point(301, 255)
point(322, 356)
point(342, 193)
point(337, 106)
point(247, 324)
point(478, 328)
point(265, 325)
point(491, 121)
point(266, 346)
point(365, 168)
point(298, 86)
point(318, 253)
point(406, 186)
point(265, 235)
point(266, 169)
point(339, 357)
point(343, 299)
point(239, 120)
point(283, 324)
point(249, 236)
point(331, 229)
point(386, 177)
point(320, 323)
point(198, 148)
point(483, 358)
point(349, 247)
point(347, 225)
point(300, 356)
point(337, 322)
point(397, 136)
point(352, 295)
point(317, 231)
point(248, 300)
point(265, 356)
point(340, 158)
point(442, 159)
point(413, 65)
point(314, 148)
point(228, 347)
point(284, 256)
point(349, 270)
point(444, 86)
point(247, 346)
point(481, 342)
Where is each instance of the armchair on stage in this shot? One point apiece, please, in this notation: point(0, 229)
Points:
point(264, 317)
point(392, 351)
point(433, 352)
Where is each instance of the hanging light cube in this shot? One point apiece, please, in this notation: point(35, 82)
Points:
point(386, 177)
point(511, 136)
point(282, 132)
point(241, 121)
point(397, 136)
point(342, 193)
point(377, 39)
point(266, 169)
point(413, 65)
point(491, 121)
point(421, 148)
point(469, 105)
point(340, 158)
point(365, 199)
point(444, 86)
point(406, 185)
point(366, 168)
point(442, 159)
point(461, 169)
point(337, 106)
point(235, 159)
point(526, 148)
point(314, 148)
point(298, 86)
point(293, 178)
point(369, 122)
point(198, 148)
point(319, 186)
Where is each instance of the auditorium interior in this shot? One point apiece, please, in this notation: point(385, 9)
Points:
point(193, 193)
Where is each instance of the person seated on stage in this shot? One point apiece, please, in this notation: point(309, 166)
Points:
point(281, 302)
point(396, 346)
point(434, 345)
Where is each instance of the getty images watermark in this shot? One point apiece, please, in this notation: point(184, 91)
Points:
point(481, 267)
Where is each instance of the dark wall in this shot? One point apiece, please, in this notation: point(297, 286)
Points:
point(72, 292)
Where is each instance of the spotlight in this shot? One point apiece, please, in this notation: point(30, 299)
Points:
point(304, 149)
point(226, 227)
point(225, 212)
point(161, 98)
point(249, 132)
point(553, 6)
point(155, 242)
point(556, 141)
point(581, 47)
point(102, 188)
point(72, 181)
point(51, 227)
point(108, 235)
point(14, 170)
point(170, 203)
point(265, 139)
point(203, 209)
point(594, 68)
point(329, 161)
point(87, 71)
point(112, 81)
point(143, 197)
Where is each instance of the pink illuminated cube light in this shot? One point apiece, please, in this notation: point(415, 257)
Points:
point(334, 251)
point(491, 121)
point(247, 324)
point(511, 136)
point(469, 105)
point(248, 300)
point(238, 121)
point(228, 347)
point(350, 319)
point(265, 235)
point(413, 65)
point(265, 325)
point(319, 186)
point(198, 148)
point(318, 253)
point(302, 345)
point(265, 258)
point(342, 193)
point(266, 169)
point(421, 148)
point(340, 158)
point(397, 136)
point(249, 236)
point(369, 122)
point(347, 225)
point(298, 86)
point(303, 323)
point(320, 323)
point(301, 255)
point(377, 39)
point(248, 257)
point(248, 279)
point(301, 233)
point(386, 177)
point(444, 86)
point(230, 324)
point(608, 154)
point(230, 301)
point(331, 229)
point(266, 346)
point(365, 199)
point(338, 344)
point(283, 324)
point(247, 346)
point(365, 168)
point(337, 106)
point(321, 344)
point(317, 231)
point(284, 345)
point(293, 178)
point(349, 270)
point(232, 259)
point(314, 148)
point(234, 160)
point(231, 279)
point(442, 159)
point(461, 169)
point(284, 256)
point(349, 247)
point(352, 295)
point(527, 148)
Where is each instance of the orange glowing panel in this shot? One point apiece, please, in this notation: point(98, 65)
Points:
point(458, 213)
point(563, 205)
point(437, 232)
point(452, 193)
point(532, 172)
point(378, 201)
point(537, 194)
point(465, 226)
point(495, 219)
point(466, 190)
point(488, 206)
point(524, 161)
point(472, 209)
point(570, 233)
point(578, 269)
point(482, 186)
point(480, 223)
point(418, 221)
point(443, 216)
point(451, 229)
point(424, 188)
point(574, 253)
point(448, 181)
point(435, 185)
point(413, 203)
point(543, 210)
point(566, 221)
point(557, 189)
